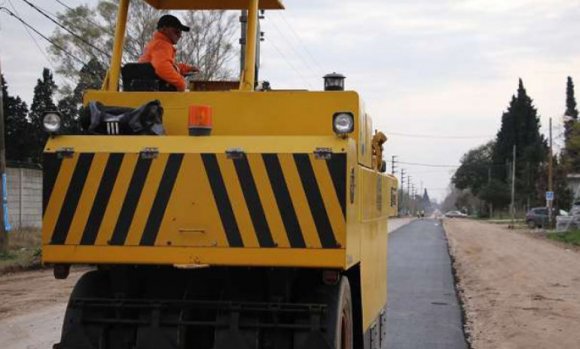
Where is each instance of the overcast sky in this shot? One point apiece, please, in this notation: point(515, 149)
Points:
point(436, 75)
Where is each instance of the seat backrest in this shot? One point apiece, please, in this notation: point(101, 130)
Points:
point(139, 77)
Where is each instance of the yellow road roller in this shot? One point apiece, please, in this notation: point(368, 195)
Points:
point(222, 217)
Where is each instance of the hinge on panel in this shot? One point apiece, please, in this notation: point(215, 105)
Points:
point(62, 153)
point(235, 153)
point(322, 153)
point(149, 153)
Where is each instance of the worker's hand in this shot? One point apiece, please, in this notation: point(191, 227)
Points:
point(187, 69)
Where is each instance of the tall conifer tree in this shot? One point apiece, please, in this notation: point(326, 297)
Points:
point(41, 103)
point(16, 126)
point(520, 126)
point(570, 154)
point(571, 114)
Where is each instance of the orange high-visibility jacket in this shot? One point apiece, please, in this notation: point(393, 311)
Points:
point(161, 54)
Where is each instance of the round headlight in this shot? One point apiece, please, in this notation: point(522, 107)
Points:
point(343, 123)
point(51, 122)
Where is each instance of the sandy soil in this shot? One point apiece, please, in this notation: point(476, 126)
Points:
point(518, 291)
point(32, 308)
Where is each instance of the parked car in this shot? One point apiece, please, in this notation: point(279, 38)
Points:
point(537, 217)
point(455, 214)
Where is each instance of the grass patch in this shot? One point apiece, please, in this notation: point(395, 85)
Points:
point(23, 251)
point(570, 237)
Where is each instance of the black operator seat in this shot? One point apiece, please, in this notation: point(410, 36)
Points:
point(142, 77)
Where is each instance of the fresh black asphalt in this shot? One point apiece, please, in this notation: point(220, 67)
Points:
point(423, 310)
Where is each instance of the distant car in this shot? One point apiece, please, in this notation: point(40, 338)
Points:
point(455, 214)
point(537, 217)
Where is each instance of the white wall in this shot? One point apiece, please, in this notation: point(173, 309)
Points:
point(24, 197)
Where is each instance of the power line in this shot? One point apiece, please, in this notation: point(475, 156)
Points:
point(67, 29)
point(72, 9)
point(44, 37)
point(294, 49)
point(65, 5)
point(435, 136)
point(31, 36)
point(290, 64)
point(427, 165)
point(300, 41)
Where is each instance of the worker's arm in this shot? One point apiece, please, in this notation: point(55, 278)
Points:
point(186, 68)
point(162, 61)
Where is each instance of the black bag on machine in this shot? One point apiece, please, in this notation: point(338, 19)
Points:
point(99, 119)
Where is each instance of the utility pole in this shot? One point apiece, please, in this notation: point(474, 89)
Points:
point(394, 159)
point(3, 232)
point(550, 187)
point(512, 205)
point(402, 186)
point(409, 192)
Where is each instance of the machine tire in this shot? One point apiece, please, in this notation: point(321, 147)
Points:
point(338, 319)
point(91, 285)
point(531, 224)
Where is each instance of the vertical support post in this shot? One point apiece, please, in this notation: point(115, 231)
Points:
point(3, 232)
point(249, 74)
point(512, 206)
point(111, 82)
point(243, 30)
point(550, 184)
point(20, 196)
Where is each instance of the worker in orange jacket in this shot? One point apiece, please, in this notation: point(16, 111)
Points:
point(160, 52)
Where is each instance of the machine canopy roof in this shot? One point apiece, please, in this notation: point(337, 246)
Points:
point(213, 4)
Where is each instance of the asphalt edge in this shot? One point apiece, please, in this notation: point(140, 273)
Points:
point(458, 292)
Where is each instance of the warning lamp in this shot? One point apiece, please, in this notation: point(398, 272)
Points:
point(200, 120)
point(334, 82)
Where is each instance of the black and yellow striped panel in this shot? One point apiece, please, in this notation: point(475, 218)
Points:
point(202, 200)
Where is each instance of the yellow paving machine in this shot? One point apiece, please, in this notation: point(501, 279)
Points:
point(221, 217)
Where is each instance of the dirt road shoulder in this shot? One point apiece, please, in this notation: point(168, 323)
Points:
point(518, 291)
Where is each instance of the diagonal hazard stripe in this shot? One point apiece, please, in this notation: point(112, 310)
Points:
point(102, 199)
point(161, 199)
point(287, 211)
point(222, 200)
point(50, 167)
point(314, 197)
point(130, 203)
point(71, 200)
point(255, 207)
point(337, 168)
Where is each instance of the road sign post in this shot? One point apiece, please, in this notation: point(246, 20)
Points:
point(549, 201)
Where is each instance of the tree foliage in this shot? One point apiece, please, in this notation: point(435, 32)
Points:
point(571, 113)
point(42, 102)
point(208, 45)
point(16, 126)
point(520, 126)
point(475, 168)
point(571, 151)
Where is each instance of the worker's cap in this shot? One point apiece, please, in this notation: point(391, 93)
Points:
point(171, 22)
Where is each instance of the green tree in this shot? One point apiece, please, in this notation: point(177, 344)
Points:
point(91, 76)
point(562, 195)
point(573, 150)
point(474, 173)
point(16, 126)
point(520, 126)
point(570, 153)
point(208, 45)
point(42, 101)
point(571, 113)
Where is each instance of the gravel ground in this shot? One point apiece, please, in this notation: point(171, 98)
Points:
point(518, 290)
